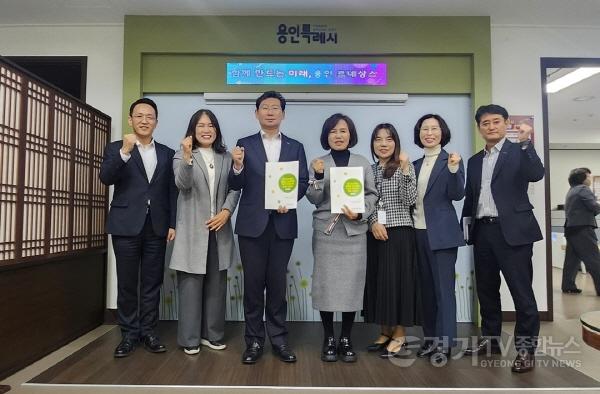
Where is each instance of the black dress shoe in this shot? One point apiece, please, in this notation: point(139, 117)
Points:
point(252, 353)
point(152, 344)
point(379, 346)
point(345, 351)
point(524, 362)
point(284, 353)
point(572, 291)
point(125, 348)
point(329, 353)
point(427, 349)
point(440, 357)
point(483, 346)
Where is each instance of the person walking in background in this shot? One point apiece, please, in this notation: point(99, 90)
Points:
point(441, 180)
point(581, 208)
point(391, 290)
point(339, 240)
point(204, 248)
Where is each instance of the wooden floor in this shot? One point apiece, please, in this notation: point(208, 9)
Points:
point(94, 364)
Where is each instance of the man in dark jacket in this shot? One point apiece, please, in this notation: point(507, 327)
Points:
point(141, 221)
point(581, 209)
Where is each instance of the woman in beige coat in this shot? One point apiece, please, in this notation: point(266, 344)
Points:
point(204, 247)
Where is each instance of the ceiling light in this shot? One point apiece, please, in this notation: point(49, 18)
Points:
point(584, 98)
point(571, 78)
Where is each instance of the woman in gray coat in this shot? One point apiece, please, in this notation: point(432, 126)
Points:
point(339, 240)
point(204, 246)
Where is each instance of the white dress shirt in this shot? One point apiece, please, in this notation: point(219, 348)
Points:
point(486, 205)
point(272, 145)
point(148, 154)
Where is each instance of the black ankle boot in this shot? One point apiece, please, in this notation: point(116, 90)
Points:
point(329, 353)
point(345, 350)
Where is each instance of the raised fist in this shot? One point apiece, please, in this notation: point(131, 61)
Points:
point(404, 161)
point(453, 159)
point(524, 131)
point(238, 157)
point(318, 166)
point(129, 141)
point(186, 147)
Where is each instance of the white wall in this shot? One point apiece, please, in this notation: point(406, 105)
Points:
point(567, 136)
point(516, 79)
point(103, 46)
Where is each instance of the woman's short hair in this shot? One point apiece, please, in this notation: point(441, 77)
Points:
point(443, 127)
point(330, 123)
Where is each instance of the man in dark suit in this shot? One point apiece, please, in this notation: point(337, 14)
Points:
point(503, 230)
point(265, 237)
point(141, 221)
point(581, 209)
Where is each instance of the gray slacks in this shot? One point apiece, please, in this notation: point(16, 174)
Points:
point(582, 245)
point(202, 301)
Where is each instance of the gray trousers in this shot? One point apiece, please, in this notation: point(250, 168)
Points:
point(202, 301)
point(582, 245)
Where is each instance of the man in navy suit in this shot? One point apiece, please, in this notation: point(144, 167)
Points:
point(141, 221)
point(265, 237)
point(503, 230)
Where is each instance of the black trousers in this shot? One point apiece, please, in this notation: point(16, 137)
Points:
point(493, 255)
point(140, 268)
point(582, 245)
point(265, 260)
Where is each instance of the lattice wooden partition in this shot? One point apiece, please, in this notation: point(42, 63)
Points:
point(51, 144)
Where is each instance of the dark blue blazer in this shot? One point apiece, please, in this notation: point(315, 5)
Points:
point(515, 168)
point(252, 217)
point(128, 208)
point(443, 187)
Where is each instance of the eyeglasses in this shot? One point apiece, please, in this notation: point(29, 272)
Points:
point(274, 108)
point(140, 117)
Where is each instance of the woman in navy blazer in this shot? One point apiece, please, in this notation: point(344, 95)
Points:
point(440, 180)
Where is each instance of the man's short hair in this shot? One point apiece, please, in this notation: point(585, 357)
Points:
point(492, 109)
point(144, 100)
point(578, 175)
point(271, 94)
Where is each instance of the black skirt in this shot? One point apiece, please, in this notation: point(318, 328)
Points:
point(392, 293)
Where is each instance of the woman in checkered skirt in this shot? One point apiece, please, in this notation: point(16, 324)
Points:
point(391, 294)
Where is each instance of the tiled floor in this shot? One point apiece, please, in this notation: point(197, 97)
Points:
point(564, 328)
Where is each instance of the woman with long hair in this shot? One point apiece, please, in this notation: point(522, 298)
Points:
point(391, 294)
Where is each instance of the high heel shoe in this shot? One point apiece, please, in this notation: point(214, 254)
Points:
point(398, 349)
point(379, 346)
